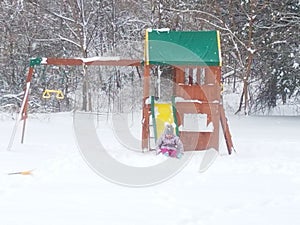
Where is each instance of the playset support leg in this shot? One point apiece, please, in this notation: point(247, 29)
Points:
point(23, 111)
point(146, 110)
point(226, 130)
point(24, 108)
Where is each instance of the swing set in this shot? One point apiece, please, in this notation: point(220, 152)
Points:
point(195, 108)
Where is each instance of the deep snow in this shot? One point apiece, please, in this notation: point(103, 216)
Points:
point(259, 184)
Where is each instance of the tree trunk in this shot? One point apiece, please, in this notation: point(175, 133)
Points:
point(85, 90)
point(244, 96)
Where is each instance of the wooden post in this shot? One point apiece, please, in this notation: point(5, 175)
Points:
point(25, 101)
point(226, 131)
point(145, 120)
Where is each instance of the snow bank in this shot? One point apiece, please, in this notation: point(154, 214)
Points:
point(258, 185)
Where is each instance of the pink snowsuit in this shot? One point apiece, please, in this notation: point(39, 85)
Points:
point(169, 144)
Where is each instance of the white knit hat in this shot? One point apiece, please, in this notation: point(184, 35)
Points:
point(169, 130)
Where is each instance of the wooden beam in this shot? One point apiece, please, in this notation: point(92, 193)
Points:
point(92, 62)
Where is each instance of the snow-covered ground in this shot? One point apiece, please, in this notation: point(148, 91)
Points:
point(260, 184)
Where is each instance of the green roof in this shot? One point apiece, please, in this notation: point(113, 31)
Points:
point(197, 48)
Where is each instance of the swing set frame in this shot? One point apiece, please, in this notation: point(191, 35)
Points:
point(95, 61)
point(207, 97)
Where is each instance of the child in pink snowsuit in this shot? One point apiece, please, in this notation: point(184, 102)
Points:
point(169, 144)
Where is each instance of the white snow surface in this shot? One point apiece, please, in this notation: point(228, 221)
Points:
point(260, 184)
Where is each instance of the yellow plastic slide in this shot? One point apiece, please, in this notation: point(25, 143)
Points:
point(163, 115)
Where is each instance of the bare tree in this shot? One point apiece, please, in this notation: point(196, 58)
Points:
point(260, 40)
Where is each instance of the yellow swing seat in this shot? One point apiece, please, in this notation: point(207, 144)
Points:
point(47, 94)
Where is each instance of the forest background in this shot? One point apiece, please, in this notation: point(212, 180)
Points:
point(259, 42)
